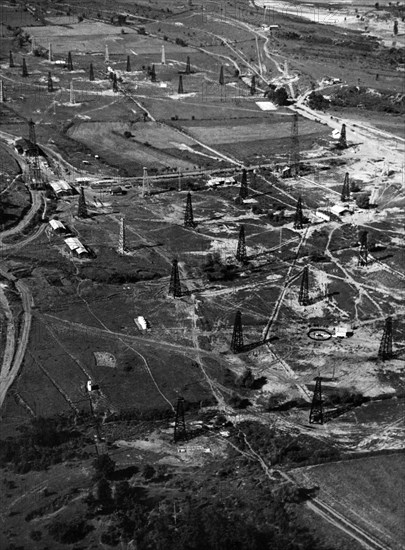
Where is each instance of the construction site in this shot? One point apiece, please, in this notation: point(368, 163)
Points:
point(202, 275)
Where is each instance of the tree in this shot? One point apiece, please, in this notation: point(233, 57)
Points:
point(363, 200)
point(281, 96)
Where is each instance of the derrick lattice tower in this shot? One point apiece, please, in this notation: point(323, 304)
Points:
point(363, 251)
point(180, 430)
point(237, 335)
point(299, 217)
point(188, 216)
point(180, 89)
point(50, 54)
point(128, 68)
point(91, 72)
point(244, 190)
point(24, 68)
point(253, 85)
point(303, 298)
point(50, 82)
point(241, 255)
point(385, 349)
point(69, 62)
point(11, 60)
point(175, 286)
point(188, 65)
point(82, 206)
point(342, 143)
point(345, 196)
point(316, 413)
point(295, 147)
point(145, 183)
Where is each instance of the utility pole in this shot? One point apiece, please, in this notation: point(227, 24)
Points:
point(385, 350)
point(298, 218)
point(50, 56)
point(163, 58)
point(237, 336)
point(175, 286)
point(72, 93)
point(188, 217)
point(244, 190)
point(180, 431)
point(241, 255)
point(303, 298)
point(346, 189)
point(106, 55)
point(316, 414)
point(363, 252)
point(295, 151)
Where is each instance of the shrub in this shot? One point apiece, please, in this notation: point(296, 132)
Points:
point(69, 532)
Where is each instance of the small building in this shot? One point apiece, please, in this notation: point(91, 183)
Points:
point(61, 188)
point(340, 210)
point(117, 190)
point(76, 247)
point(221, 180)
point(58, 226)
point(142, 323)
point(324, 217)
point(342, 331)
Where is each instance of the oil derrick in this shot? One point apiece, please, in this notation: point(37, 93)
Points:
point(342, 143)
point(253, 85)
point(50, 56)
point(363, 252)
point(345, 189)
point(82, 206)
point(50, 82)
point(106, 55)
point(153, 74)
point(303, 297)
point(32, 137)
point(221, 76)
point(128, 69)
point(145, 183)
point(121, 238)
point(163, 58)
point(24, 68)
point(188, 65)
point(91, 72)
point(180, 432)
point(298, 218)
point(188, 216)
point(115, 83)
point(316, 414)
point(244, 190)
point(11, 60)
point(295, 151)
point(241, 255)
point(175, 287)
point(385, 349)
point(69, 62)
point(180, 89)
point(237, 335)
point(72, 93)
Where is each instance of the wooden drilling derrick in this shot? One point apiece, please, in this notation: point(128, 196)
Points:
point(253, 85)
point(316, 414)
point(50, 82)
point(180, 430)
point(115, 83)
point(188, 216)
point(91, 72)
point(298, 218)
point(153, 74)
point(342, 143)
point(237, 335)
point(241, 255)
point(345, 189)
point(303, 298)
point(50, 55)
point(295, 148)
point(24, 68)
point(128, 68)
point(180, 89)
point(145, 183)
point(11, 60)
point(244, 190)
point(188, 66)
point(175, 286)
point(385, 349)
point(82, 206)
point(69, 62)
point(363, 251)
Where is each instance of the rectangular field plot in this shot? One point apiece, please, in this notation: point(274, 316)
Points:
point(369, 492)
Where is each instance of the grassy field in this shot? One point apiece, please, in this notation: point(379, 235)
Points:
point(368, 491)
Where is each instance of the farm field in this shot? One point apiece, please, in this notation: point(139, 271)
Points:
point(368, 491)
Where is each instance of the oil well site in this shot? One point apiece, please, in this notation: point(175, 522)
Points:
point(202, 275)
